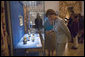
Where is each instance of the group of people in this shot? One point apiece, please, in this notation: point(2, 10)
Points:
point(57, 33)
point(76, 27)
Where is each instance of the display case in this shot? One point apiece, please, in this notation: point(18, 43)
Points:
point(24, 35)
point(32, 36)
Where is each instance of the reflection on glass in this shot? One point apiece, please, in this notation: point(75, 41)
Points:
point(32, 38)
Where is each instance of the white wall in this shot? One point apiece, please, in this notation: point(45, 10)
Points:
point(52, 5)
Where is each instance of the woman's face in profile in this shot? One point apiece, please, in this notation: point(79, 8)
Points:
point(53, 17)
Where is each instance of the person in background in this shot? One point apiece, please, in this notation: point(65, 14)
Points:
point(38, 22)
point(81, 29)
point(61, 31)
point(75, 30)
point(70, 24)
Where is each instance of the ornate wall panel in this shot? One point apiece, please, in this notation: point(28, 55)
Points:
point(63, 5)
point(4, 35)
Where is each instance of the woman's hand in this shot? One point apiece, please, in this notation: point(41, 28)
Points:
point(48, 32)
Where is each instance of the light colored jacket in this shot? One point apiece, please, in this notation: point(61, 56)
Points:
point(62, 31)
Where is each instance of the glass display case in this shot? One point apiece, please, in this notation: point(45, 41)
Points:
point(32, 38)
point(24, 36)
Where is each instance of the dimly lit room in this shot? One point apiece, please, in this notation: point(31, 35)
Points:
point(42, 28)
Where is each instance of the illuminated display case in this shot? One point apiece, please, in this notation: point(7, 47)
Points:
point(32, 8)
point(23, 33)
point(22, 17)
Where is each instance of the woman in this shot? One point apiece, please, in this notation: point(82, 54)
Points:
point(50, 41)
point(61, 30)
